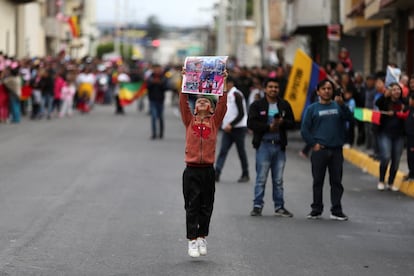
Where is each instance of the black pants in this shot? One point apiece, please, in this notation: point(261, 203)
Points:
point(331, 159)
point(119, 108)
point(198, 190)
point(410, 155)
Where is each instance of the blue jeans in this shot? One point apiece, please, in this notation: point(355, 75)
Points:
point(237, 135)
point(391, 149)
point(157, 113)
point(14, 102)
point(269, 157)
point(47, 101)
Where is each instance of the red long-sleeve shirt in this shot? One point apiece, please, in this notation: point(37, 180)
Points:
point(201, 133)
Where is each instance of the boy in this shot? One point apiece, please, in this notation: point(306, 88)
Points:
point(199, 175)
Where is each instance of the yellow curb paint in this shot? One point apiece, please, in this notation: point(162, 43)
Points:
point(371, 166)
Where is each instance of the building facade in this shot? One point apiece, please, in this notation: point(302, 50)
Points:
point(387, 27)
point(320, 23)
point(44, 27)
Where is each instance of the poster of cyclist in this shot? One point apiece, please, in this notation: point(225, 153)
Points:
point(204, 75)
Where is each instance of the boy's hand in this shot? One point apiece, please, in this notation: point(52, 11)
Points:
point(225, 74)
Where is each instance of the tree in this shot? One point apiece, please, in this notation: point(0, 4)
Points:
point(154, 28)
point(107, 48)
point(249, 9)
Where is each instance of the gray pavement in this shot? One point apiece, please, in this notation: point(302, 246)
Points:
point(93, 195)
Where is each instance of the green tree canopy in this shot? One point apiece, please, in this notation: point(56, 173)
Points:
point(154, 28)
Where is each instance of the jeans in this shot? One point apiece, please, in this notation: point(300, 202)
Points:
point(331, 159)
point(269, 157)
point(46, 107)
point(14, 108)
point(237, 135)
point(391, 149)
point(157, 113)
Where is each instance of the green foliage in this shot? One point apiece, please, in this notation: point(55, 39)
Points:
point(249, 9)
point(107, 48)
point(154, 28)
point(127, 53)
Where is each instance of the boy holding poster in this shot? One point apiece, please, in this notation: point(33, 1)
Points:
point(201, 126)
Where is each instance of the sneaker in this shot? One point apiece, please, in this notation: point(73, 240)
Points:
point(193, 249)
point(202, 246)
point(339, 216)
point(380, 186)
point(314, 215)
point(394, 188)
point(282, 212)
point(244, 179)
point(256, 212)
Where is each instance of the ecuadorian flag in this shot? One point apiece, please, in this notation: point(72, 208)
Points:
point(130, 91)
point(303, 78)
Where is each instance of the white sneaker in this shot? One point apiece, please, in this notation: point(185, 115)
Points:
point(193, 249)
point(380, 186)
point(395, 188)
point(202, 246)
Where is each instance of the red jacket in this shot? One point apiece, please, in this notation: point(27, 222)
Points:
point(201, 134)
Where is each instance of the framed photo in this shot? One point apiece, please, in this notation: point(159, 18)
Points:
point(204, 75)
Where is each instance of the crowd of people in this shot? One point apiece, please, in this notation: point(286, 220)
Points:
point(389, 92)
point(46, 88)
point(55, 87)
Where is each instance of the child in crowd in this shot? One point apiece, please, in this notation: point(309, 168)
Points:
point(68, 92)
point(202, 127)
point(350, 125)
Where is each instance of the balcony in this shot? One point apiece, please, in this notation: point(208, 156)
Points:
point(382, 9)
point(360, 24)
point(356, 20)
point(18, 2)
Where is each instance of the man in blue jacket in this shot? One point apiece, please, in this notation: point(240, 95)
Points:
point(323, 127)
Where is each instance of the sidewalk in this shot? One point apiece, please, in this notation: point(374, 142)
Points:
point(361, 159)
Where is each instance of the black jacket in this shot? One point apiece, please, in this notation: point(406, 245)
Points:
point(391, 125)
point(257, 120)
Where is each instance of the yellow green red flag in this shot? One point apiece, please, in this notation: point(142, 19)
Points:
point(367, 115)
point(130, 91)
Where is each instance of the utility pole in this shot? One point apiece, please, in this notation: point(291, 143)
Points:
point(334, 44)
point(240, 32)
point(265, 33)
point(221, 30)
point(125, 40)
point(117, 28)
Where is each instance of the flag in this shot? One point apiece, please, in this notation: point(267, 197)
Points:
point(74, 26)
point(130, 91)
point(367, 115)
point(303, 78)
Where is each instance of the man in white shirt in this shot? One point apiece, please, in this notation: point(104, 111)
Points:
point(234, 131)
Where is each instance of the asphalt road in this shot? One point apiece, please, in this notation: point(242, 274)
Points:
point(93, 195)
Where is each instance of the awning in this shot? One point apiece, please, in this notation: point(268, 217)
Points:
point(384, 9)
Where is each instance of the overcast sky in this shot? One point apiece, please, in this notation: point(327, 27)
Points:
point(168, 12)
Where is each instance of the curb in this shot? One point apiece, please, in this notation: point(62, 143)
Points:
point(371, 166)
